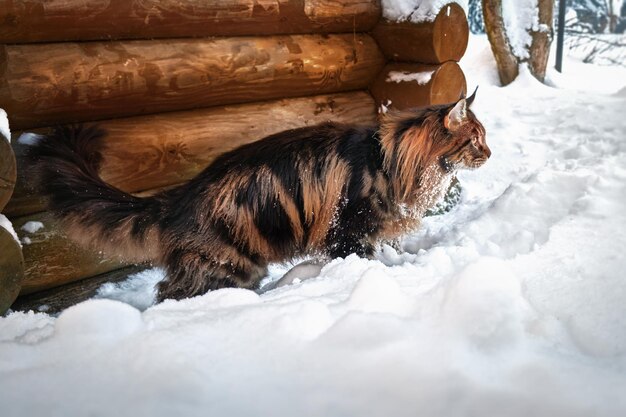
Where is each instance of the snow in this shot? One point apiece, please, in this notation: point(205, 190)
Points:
point(512, 303)
point(137, 290)
point(416, 11)
point(29, 139)
point(519, 17)
point(32, 226)
point(404, 76)
point(6, 224)
point(384, 107)
point(602, 49)
point(4, 125)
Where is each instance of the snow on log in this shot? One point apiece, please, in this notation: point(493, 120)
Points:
point(166, 149)
point(443, 39)
point(402, 86)
point(11, 268)
point(45, 84)
point(55, 300)
point(7, 172)
point(171, 148)
point(27, 21)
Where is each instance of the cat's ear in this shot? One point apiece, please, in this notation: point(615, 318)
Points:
point(456, 116)
point(471, 98)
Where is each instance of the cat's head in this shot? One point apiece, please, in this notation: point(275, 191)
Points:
point(464, 144)
point(413, 140)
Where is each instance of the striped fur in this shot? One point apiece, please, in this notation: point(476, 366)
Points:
point(327, 190)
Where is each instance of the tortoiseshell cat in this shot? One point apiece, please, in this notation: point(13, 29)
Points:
point(328, 190)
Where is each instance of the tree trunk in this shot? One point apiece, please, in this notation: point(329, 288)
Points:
point(542, 38)
point(538, 51)
point(496, 32)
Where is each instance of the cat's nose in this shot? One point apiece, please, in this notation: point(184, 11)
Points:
point(487, 151)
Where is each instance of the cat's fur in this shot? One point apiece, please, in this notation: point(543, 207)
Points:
point(329, 190)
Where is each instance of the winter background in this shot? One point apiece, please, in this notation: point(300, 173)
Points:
point(511, 304)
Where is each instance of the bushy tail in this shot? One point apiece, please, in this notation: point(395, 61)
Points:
point(91, 211)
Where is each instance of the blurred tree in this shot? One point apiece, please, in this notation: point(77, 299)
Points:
point(475, 16)
point(510, 55)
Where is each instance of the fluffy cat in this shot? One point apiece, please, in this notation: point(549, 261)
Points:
point(327, 190)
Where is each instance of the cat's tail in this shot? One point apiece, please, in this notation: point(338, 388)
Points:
point(90, 211)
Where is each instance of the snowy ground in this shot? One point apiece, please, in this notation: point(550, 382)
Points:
point(512, 304)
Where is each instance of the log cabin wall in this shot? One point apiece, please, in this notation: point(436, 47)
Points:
point(178, 82)
point(423, 60)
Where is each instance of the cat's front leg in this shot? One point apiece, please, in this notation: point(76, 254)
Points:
point(190, 273)
point(346, 245)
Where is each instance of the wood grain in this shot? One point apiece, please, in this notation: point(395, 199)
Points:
point(50, 259)
point(41, 85)
point(27, 21)
point(147, 152)
point(8, 172)
point(444, 39)
point(446, 84)
point(11, 269)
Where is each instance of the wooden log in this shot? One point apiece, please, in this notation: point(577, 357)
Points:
point(27, 21)
point(171, 148)
point(50, 259)
point(444, 39)
point(55, 300)
point(11, 269)
point(8, 171)
point(47, 84)
point(402, 86)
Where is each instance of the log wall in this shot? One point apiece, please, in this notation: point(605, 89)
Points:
point(29, 21)
point(444, 39)
point(70, 82)
point(406, 85)
point(427, 54)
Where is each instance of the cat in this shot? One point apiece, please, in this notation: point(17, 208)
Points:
point(327, 190)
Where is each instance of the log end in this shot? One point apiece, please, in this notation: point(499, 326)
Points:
point(11, 269)
point(8, 172)
point(403, 86)
point(444, 39)
point(449, 84)
point(450, 33)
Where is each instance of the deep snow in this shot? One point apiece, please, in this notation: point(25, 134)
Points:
point(511, 304)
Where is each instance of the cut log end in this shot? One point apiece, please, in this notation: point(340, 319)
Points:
point(11, 269)
point(8, 172)
point(403, 86)
point(444, 39)
point(450, 33)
